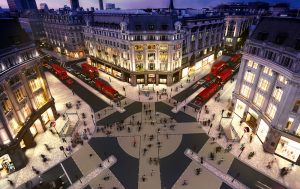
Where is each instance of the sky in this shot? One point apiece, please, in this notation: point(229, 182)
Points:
point(132, 4)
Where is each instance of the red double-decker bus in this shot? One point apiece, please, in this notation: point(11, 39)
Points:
point(207, 93)
point(225, 75)
point(60, 71)
point(217, 67)
point(89, 70)
point(110, 92)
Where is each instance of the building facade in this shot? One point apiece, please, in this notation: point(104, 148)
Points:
point(26, 103)
point(267, 93)
point(21, 5)
point(158, 47)
point(237, 27)
point(32, 23)
point(63, 31)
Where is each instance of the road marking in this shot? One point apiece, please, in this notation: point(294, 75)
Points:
point(66, 173)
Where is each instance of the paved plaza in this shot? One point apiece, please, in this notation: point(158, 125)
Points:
point(144, 146)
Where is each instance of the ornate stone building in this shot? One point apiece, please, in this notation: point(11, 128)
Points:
point(152, 47)
point(26, 103)
point(63, 31)
point(267, 93)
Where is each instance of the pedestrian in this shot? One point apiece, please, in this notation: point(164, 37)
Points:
point(201, 160)
point(167, 135)
point(184, 108)
point(184, 183)
point(73, 92)
point(11, 182)
point(109, 79)
point(144, 178)
point(251, 137)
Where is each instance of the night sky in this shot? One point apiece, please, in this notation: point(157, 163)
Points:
point(125, 4)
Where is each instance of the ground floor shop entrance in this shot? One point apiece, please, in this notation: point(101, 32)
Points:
point(288, 149)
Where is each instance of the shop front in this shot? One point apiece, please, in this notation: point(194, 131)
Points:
point(251, 119)
point(262, 130)
point(140, 79)
point(288, 149)
point(6, 165)
point(151, 79)
point(117, 73)
point(185, 72)
point(45, 118)
point(163, 79)
point(176, 77)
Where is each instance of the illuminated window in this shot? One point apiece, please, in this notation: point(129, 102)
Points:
point(268, 71)
point(177, 46)
point(139, 57)
point(249, 77)
point(151, 57)
point(282, 79)
point(40, 100)
point(271, 110)
point(263, 84)
point(163, 57)
point(258, 99)
point(252, 64)
point(19, 94)
point(34, 84)
point(289, 123)
point(193, 38)
point(6, 106)
point(138, 48)
point(277, 94)
point(163, 47)
point(296, 106)
point(229, 40)
point(245, 91)
point(151, 47)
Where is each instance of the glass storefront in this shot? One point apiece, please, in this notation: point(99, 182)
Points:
point(262, 130)
point(185, 72)
point(6, 165)
point(240, 108)
point(151, 79)
point(117, 74)
point(251, 119)
point(45, 117)
point(40, 100)
point(33, 130)
point(14, 126)
point(288, 149)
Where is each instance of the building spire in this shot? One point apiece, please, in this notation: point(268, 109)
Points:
point(171, 6)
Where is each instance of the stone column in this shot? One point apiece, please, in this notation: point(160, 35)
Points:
point(240, 77)
point(271, 141)
point(5, 125)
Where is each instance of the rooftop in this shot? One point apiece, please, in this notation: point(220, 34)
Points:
point(287, 35)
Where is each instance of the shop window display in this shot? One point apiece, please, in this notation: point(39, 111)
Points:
point(288, 149)
point(6, 165)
